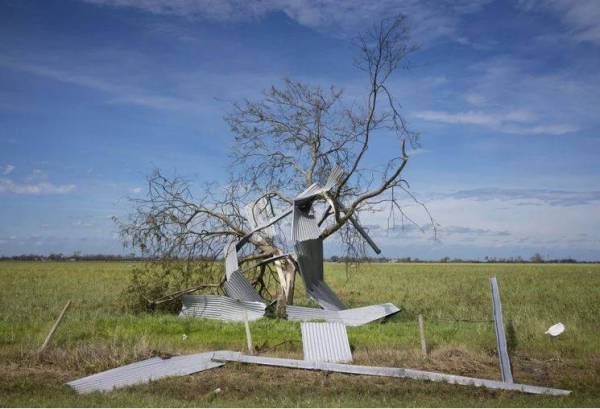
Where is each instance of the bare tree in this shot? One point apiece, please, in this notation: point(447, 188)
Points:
point(283, 143)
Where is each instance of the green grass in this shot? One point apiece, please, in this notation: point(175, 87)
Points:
point(98, 334)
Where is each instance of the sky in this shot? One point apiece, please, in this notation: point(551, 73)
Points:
point(94, 94)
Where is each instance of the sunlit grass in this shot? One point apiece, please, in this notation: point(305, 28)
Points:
point(98, 333)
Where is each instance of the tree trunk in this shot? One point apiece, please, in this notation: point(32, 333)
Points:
point(286, 273)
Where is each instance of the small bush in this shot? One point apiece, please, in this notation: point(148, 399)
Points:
point(157, 279)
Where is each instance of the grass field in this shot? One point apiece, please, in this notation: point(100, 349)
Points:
point(97, 334)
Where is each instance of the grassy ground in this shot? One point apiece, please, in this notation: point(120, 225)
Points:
point(97, 335)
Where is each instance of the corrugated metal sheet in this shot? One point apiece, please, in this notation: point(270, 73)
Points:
point(310, 261)
point(298, 313)
point(325, 342)
point(352, 317)
point(231, 259)
point(238, 287)
point(388, 372)
point(334, 179)
point(304, 226)
point(505, 369)
point(355, 317)
point(217, 307)
point(144, 371)
point(309, 193)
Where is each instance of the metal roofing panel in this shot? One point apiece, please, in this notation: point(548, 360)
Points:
point(505, 370)
point(310, 261)
point(144, 371)
point(222, 308)
point(298, 313)
point(227, 356)
point(304, 226)
point(238, 287)
point(309, 192)
point(231, 259)
point(352, 317)
point(325, 342)
point(334, 179)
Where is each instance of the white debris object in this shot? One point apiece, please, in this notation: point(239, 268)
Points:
point(556, 329)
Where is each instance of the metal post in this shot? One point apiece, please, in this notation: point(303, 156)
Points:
point(500, 335)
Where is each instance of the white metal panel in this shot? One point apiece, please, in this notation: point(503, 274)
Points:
point(239, 288)
point(325, 342)
point(505, 369)
point(144, 371)
point(222, 308)
point(352, 317)
point(224, 356)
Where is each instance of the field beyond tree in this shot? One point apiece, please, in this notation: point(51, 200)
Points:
point(98, 334)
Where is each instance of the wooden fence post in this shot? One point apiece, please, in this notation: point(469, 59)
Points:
point(248, 334)
point(53, 329)
point(422, 336)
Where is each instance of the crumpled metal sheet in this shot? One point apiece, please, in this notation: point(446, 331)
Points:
point(145, 371)
point(325, 342)
point(310, 262)
point(352, 317)
point(222, 308)
point(239, 288)
point(334, 178)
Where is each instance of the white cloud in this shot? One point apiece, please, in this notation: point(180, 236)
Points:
point(582, 17)
point(433, 19)
point(10, 186)
point(120, 90)
point(509, 122)
point(136, 190)
point(475, 99)
point(499, 222)
point(7, 169)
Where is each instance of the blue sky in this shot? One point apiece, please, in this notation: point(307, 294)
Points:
point(95, 94)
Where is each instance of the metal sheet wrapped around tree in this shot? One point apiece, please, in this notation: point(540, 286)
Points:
point(222, 308)
point(310, 262)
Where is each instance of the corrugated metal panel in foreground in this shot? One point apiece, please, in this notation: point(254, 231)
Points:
point(238, 287)
point(325, 342)
point(222, 308)
point(389, 372)
point(144, 371)
point(352, 317)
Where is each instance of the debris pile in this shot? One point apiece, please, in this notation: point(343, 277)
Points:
point(242, 297)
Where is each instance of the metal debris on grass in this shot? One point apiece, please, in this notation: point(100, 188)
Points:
point(145, 371)
point(325, 342)
point(556, 329)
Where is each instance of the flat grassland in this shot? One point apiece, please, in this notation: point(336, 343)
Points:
point(97, 334)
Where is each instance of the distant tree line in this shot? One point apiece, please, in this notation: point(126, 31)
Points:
point(536, 258)
point(77, 256)
point(74, 257)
